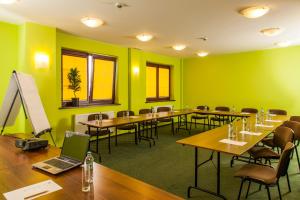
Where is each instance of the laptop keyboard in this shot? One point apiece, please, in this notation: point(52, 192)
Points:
point(58, 163)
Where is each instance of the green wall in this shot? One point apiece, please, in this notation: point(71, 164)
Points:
point(260, 79)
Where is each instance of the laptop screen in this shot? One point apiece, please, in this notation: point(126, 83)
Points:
point(75, 145)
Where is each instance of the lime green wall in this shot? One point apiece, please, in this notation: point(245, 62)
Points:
point(138, 59)
point(268, 79)
point(9, 61)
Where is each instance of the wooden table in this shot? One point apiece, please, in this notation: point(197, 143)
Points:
point(210, 140)
point(16, 172)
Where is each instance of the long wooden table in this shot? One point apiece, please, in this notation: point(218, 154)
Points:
point(16, 172)
point(211, 140)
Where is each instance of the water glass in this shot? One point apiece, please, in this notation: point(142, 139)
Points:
point(85, 179)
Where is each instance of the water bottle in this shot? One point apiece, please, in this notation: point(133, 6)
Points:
point(127, 113)
point(85, 178)
point(88, 163)
point(230, 130)
point(100, 117)
point(244, 120)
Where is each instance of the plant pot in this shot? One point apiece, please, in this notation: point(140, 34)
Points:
point(75, 102)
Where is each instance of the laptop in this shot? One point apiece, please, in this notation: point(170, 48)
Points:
point(73, 153)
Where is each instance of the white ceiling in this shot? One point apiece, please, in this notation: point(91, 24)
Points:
point(170, 21)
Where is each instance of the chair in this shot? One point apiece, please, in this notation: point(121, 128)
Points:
point(249, 110)
point(96, 132)
point(203, 117)
point(127, 127)
point(167, 119)
point(277, 112)
point(282, 136)
point(264, 174)
point(295, 118)
point(220, 119)
point(147, 124)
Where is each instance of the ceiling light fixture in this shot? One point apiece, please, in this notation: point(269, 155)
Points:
point(92, 22)
point(179, 47)
point(202, 53)
point(282, 44)
point(7, 1)
point(271, 31)
point(144, 37)
point(254, 11)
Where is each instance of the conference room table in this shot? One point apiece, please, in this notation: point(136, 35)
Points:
point(217, 141)
point(16, 172)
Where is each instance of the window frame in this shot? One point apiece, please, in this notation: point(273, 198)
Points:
point(158, 66)
point(90, 78)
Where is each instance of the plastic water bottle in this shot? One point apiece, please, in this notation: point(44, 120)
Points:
point(100, 117)
point(88, 163)
point(230, 130)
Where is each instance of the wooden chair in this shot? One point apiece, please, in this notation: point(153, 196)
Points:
point(249, 110)
point(277, 112)
point(127, 127)
point(264, 174)
point(203, 117)
point(97, 132)
point(295, 118)
point(220, 119)
point(167, 119)
point(148, 124)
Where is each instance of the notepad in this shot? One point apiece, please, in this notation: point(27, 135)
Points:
point(33, 191)
point(273, 120)
point(233, 142)
point(264, 125)
point(250, 133)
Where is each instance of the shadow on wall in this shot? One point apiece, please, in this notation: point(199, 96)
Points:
point(61, 127)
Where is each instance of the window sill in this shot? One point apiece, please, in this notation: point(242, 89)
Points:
point(91, 105)
point(155, 101)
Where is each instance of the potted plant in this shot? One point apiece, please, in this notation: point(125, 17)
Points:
point(74, 84)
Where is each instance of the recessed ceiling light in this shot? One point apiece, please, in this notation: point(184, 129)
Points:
point(7, 1)
point(92, 22)
point(254, 12)
point(144, 37)
point(179, 47)
point(271, 31)
point(282, 44)
point(202, 53)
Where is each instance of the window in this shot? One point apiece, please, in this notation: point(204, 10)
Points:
point(157, 82)
point(97, 74)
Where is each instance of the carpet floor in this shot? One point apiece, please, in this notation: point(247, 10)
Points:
point(170, 166)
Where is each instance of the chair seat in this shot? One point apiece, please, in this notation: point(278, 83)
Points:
point(165, 120)
point(262, 173)
point(263, 152)
point(268, 141)
point(101, 133)
point(127, 127)
point(199, 117)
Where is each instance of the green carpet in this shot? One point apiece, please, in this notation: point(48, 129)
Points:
point(170, 166)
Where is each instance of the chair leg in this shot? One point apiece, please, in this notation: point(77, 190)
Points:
point(156, 132)
point(248, 189)
point(297, 155)
point(135, 135)
point(109, 149)
point(116, 137)
point(173, 131)
point(288, 181)
point(241, 187)
point(278, 187)
point(268, 190)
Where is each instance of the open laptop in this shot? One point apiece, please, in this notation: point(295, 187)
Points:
point(73, 153)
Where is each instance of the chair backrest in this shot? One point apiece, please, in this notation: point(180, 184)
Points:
point(123, 113)
point(284, 160)
point(282, 136)
point(92, 117)
point(144, 111)
point(250, 110)
point(163, 109)
point(202, 107)
point(295, 118)
point(295, 126)
point(277, 112)
point(222, 108)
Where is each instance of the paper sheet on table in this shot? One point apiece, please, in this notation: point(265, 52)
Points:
point(273, 120)
point(234, 142)
point(245, 113)
point(264, 125)
point(33, 191)
point(250, 133)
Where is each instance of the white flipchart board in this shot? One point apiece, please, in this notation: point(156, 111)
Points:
point(34, 109)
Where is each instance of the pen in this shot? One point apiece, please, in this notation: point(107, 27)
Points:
point(34, 195)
